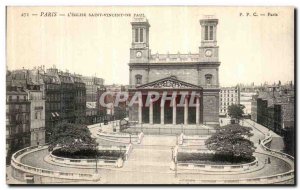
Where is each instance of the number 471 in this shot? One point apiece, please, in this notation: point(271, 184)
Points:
point(24, 14)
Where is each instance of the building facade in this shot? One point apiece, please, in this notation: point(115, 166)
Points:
point(93, 86)
point(182, 73)
point(67, 88)
point(246, 100)
point(246, 94)
point(32, 84)
point(18, 134)
point(228, 96)
point(54, 96)
point(254, 107)
point(52, 93)
point(79, 99)
point(114, 111)
point(273, 107)
point(35, 90)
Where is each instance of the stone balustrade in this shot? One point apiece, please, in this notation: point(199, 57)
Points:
point(86, 162)
point(19, 169)
point(267, 140)
point(218, 168)
point(195, 137)
point(281, 177)
point(190, 150)
point(121, 138)
point(118, 163)
point(258, 180)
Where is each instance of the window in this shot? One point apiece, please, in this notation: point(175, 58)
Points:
point(138, 79)
point(211, 32)
point(36, 115)
point(206, 32)
point(141, 35)
point(10, 98)
point(136, 35)
point(208, 78)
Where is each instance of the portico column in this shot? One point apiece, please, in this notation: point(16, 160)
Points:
point(162, 114)
point(186, 111)
point(174, 111)
point(140, 109)
point(197, 110)
point(151, 112)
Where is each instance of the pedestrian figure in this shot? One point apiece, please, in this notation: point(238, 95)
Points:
point(258, 141)
point(269, 160)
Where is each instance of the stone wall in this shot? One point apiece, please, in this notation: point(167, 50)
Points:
point(288, 114)
point(211, 108)
point(187, 73)
point(138, 71)
point(204, 71)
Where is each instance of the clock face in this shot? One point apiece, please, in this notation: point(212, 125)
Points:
point(138, 54)
point(208, 53)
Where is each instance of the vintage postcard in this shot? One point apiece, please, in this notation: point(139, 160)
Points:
point(150, 95)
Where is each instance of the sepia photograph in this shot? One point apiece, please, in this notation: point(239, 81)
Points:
point(150, 95)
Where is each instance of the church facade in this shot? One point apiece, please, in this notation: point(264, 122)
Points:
point(180, 73)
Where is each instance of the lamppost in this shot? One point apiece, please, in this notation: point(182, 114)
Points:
point(181, 127)
point(96, 162)
point(142, 126)
point(175, 168)
point(97, 158)
point(129, 138)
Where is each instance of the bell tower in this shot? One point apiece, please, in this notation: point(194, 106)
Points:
point(139, 51)
point(209, 50)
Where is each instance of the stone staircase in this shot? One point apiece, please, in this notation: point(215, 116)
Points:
point(152, 156)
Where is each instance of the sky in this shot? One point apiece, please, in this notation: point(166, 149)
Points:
point(251, 48)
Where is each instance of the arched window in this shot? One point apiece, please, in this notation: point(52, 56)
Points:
point(138, 79)
point(208, 78)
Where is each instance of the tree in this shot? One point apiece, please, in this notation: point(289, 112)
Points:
point(71, 138)
point(232, 140)
point(236, 111)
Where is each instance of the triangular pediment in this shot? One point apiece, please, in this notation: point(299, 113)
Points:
point(168, 83)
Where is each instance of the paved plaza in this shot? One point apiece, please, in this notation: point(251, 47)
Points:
point(150, 161)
